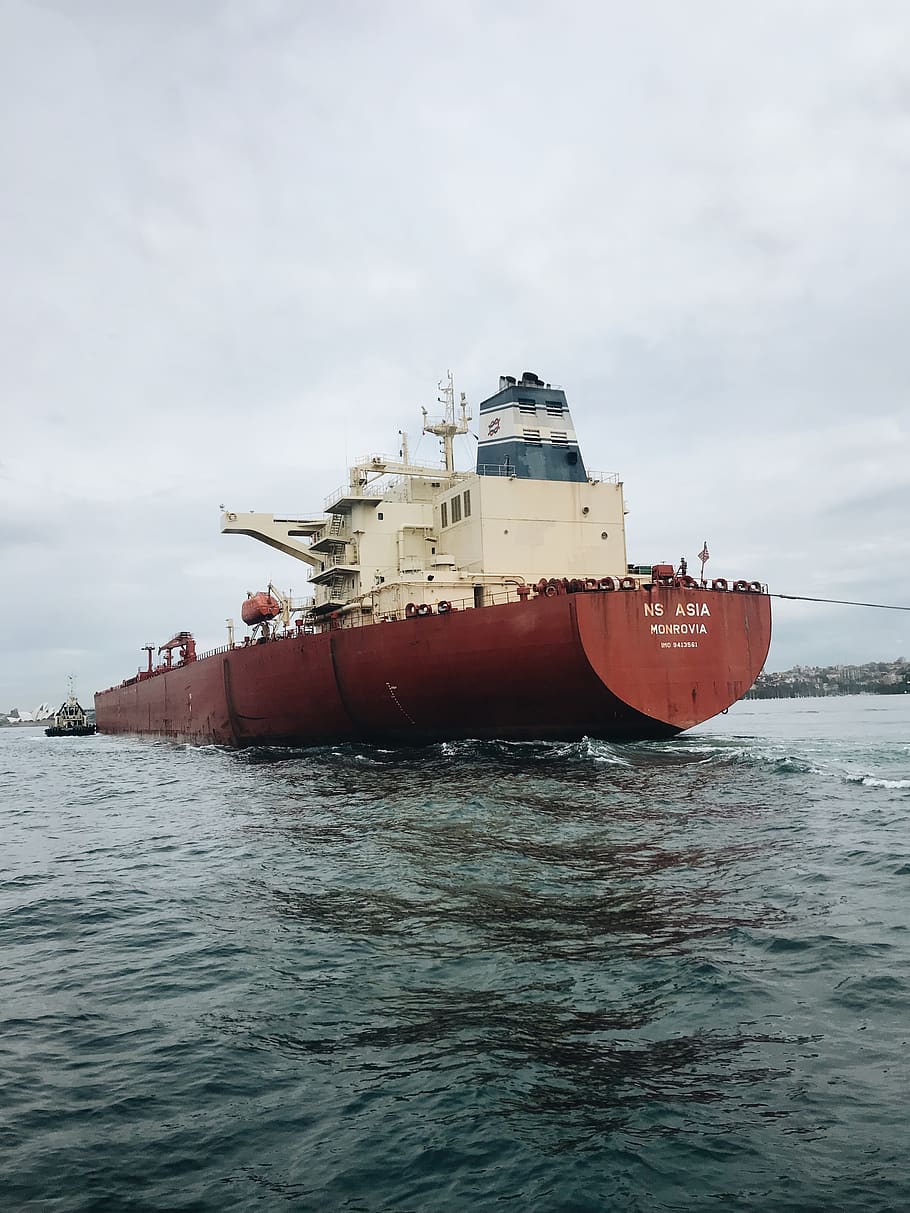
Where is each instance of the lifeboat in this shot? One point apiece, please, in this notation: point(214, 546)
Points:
point(259, 608)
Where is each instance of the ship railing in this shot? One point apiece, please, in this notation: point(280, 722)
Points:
point(374, 460)
point(510, 471)
point(346, 618)
point(376, 489)
point(351, 619)
point(498, 598)
point(312, 623)
point(497, 469)
point(222, 648)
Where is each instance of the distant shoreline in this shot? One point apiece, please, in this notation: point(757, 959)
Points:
point(818, 682)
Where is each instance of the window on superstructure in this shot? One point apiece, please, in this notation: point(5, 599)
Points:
point(554, 408)
point(527, 406)
point(456, 509)
point(467, 503)
point(559, 437)
point(444, 514)
point(532, 437)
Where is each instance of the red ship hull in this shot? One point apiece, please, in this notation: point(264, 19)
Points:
point(618, 666)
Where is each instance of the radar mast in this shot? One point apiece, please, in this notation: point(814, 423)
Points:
point(448, 427)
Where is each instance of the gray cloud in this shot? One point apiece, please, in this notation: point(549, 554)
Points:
point(244, 240)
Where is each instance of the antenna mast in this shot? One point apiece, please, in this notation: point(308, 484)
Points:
point(448, 427)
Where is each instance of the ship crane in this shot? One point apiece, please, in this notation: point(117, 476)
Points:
point(184, 642)
point(287, 604)
point(281, 533)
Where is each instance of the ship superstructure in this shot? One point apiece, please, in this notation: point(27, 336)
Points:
point(399, 534)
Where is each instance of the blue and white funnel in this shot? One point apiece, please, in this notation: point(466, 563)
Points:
point(526, 431)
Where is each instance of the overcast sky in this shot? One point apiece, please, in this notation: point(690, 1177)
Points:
point(241, 240)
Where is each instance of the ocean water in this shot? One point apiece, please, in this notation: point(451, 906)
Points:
point(666, 976)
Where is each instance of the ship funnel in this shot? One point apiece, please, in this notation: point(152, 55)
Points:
point(526, 431)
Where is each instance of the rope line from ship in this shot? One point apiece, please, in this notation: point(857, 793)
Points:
point(879, 606)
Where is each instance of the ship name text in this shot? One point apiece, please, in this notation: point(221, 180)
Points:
point(689, 608)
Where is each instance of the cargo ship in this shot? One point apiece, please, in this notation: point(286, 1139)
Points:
point(490, 603)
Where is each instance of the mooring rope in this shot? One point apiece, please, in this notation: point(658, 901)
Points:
point(880, 606)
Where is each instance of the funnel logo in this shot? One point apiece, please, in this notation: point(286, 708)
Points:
point(493, 428)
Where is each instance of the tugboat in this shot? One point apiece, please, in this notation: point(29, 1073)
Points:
point(71, 720)
point(496, 602)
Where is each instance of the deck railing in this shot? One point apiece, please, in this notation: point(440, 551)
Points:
point(339, 619)
point(359, 490)
point(510, 471)
point(354, 619)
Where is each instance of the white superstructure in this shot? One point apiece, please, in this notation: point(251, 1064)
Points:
point(400, 534)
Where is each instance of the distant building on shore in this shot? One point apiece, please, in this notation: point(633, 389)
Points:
point(874, 678)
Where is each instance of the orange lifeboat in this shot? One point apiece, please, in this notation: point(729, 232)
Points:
point(259, 608)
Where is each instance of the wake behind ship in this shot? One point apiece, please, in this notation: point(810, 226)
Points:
point(491, 603)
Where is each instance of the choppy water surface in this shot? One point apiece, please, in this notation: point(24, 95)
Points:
point(573, 977)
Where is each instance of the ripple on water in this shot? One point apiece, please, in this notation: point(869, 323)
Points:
point(660, 976)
